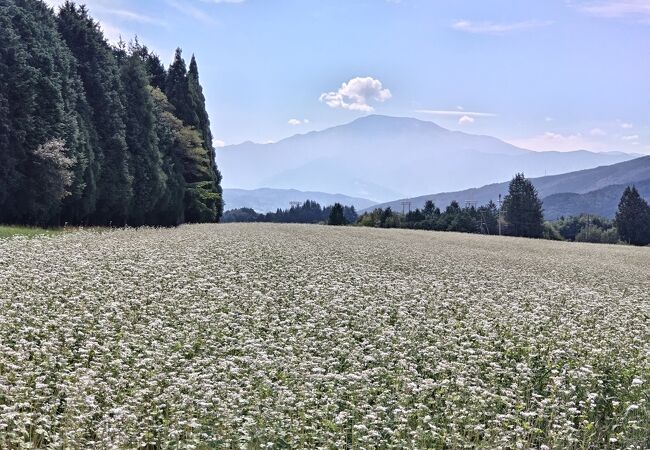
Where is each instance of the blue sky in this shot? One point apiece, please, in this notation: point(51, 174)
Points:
point(545, 75)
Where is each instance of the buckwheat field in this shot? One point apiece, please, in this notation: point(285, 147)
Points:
point(290, 336)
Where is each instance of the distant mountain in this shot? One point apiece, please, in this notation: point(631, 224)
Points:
point(380, 158)
point(602, 202)
point(579, 182)
point(269, 200)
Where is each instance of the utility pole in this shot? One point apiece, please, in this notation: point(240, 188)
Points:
point(404, 205)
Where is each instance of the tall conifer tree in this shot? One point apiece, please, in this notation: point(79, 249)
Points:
point(100, 74)
point(523, 209)
point(203, 124)
point(633, 218)
point(41, 99)
point(142, 141)
point(203, 198)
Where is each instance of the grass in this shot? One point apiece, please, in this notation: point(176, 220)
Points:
point(7, 231)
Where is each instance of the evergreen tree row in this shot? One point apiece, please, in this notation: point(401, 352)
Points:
point(521, 214)
point(307, 212)
point(92, 134)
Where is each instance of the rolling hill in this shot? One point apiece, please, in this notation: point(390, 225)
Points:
point(382, 158)
point(578, 182)
point(269, 200)
point(602, 202)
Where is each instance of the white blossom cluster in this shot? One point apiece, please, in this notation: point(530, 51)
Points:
point(295, 336)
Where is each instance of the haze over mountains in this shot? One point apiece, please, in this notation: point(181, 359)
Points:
point(269, 200)
point(383, 158)
point(594, 191)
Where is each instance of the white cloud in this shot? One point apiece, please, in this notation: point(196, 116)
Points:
point(218, 143)
point(616, 9)
point(632, 137)
point(132, 16)
point(498, 27)
point(465, 120)
point(112, 33)
point(548, 119)
point(295, 122)
point(356, 95)
point(597, 132)
point(107, 12)
point(223, 1)
point(551, 141)
point(192, 11)
point(103, 8)
point(452, 112)
point(627, 126)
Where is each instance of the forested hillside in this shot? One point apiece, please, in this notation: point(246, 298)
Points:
point(602, 202)
point(92, 134)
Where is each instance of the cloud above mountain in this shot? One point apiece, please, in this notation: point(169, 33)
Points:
point(616, 9)
point(497, 28)
point(357, 95)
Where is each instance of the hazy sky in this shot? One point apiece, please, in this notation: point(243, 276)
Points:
point(551, 74)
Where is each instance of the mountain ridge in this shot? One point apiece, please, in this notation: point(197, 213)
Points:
point(383, 157)
point(577, 182)
point(602, 202)
point(265, 200)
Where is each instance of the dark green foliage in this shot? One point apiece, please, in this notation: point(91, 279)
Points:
point(242, 215)
point(186, 95)
point(52, 167)
point(170, 209)
point(157, 73)
point(41, 99)
point(485, 219)
point(523, 209)
point(203, 125)
point(154, 67)
point(598, 235)
point(201, 202)
point(145, 161)
point(308, 212)
point(551, 233)
point(336, 216)
point(87, 135)
point(633, 218)
point(178, 92)
point(586, 228)
point(100, 74)
point(380, 218)
point(454, 218)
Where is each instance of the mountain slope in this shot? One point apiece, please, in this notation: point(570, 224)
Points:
point(579, 182)
point(269, 200)
point(380, 158)
point(602, 202)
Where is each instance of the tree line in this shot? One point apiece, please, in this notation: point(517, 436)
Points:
point(522, 215)
point(94, 134)
point(306, 212)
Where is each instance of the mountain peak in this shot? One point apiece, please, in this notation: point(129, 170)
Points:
point(382, 157)
point(394, 122)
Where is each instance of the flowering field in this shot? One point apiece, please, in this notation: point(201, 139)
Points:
point(291, 336)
